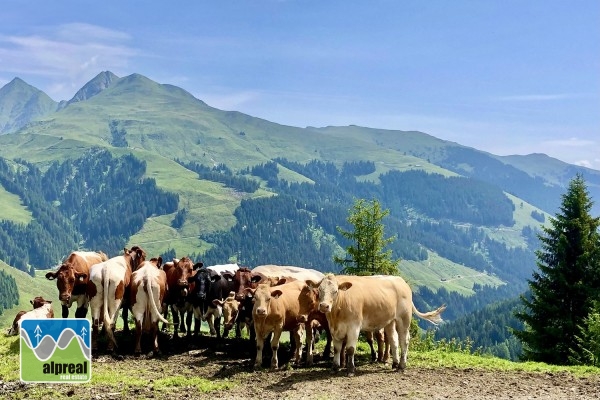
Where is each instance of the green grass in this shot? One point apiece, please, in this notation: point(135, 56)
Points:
point(28, 289)
point(12, 208)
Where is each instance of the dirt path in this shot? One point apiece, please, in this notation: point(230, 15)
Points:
point(371, 381)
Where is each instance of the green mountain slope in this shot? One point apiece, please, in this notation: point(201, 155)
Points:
point(21, 103)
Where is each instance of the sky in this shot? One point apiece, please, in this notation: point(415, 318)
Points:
point(503, 76)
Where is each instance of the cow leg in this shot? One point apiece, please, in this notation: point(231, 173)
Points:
point(327, 351)
point(260, 343)
point(81, 312)
point(188, 322)
point(209, 317)
point(165, 313)
point(337, 349)
point(175, 313)
point(275, 348)
point(182, 321)
point(298, 340)
point(392, 335)
point(138, 337)
point(65, 311)
point(309, 343)
point(369, 337)
point(218, 327)
point(154, 336)
point(401, 337)
point(351, 341)
point(380, 345)
point(125, 316)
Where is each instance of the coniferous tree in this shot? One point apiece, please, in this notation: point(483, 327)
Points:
point(564, 289)
point(367, 256)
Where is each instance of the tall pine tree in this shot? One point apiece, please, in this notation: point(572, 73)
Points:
point(366, 254)
point(567, 283)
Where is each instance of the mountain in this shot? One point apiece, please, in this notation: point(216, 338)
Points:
point(226, 185)
point(21, 103)
point(99, 83)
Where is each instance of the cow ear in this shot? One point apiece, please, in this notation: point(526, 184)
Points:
point(227, 276)
point(312, 284)
point(345, 286)
point(31, 301)
point(51, 275)
point(198, 265)
point(214, 278)
point(255, 278)
point(276, 293)
point(159, 262)
point(81, 277)
point(217, 302)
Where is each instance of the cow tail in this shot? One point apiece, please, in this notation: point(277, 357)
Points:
point(153, 301)
point(107, 319)
point(432, 316)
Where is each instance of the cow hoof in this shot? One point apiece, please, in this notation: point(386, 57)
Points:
point(137, 353)
point(350, 374)
point(395, 365)
point(118, 357)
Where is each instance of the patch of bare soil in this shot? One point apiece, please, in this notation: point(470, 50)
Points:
point(231, 361)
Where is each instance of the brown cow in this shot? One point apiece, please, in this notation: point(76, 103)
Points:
point(108, 288)
point(72, 278)
point(178, 288)
point(43, 310)
point(276, 309)
point(148, 289)
point(355, 303)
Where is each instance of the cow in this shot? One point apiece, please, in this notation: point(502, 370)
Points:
point(178, 273)
point(108, 288)
point(197, 298)
point(148, 289)
point(355, 303)
point(231, 310)
point(276, 309)
point(309, 314)
point(43, 310)
point(72, 278)
point(221, 285)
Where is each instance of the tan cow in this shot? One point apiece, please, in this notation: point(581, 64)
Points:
point(148, 289)
point(355, 303)
point(276, 309)
point(231, 310)
point(43, 310)
point(108, 288)
point(72, 278)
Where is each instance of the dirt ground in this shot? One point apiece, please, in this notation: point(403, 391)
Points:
point(232, 361)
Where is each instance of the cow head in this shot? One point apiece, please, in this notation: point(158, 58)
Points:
point(243, 279)
point(137, 257)
point(182, 270)
point(262, 300)
point(66, 279)
point(328, 291)
point(39, 301)
point(308, 301)
point(202, 281)
point(230, 311)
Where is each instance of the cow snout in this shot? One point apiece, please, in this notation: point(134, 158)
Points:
point(183, 283)
point(184, 292)
point(64, 297)
point(324, 307)
point(261, 311)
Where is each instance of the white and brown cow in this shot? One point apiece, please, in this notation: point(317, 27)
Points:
point(276, 273)
point(276, 309)
point(42, 309)
point(108, 288)
point(355, 303)
point(148, 289)
point(72, 278)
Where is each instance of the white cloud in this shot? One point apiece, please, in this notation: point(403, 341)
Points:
point(540, 97)
point(66, 57)
point(570, 142)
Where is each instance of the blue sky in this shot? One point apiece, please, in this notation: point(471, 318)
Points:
point(508, 77)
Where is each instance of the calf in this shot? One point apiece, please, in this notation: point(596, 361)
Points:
point(108, 288)
point(355, 303)
point(72, 278)
point(309, 313)
point(44, 310)
point(178, 287)
point(276, 310)
point(148, 288)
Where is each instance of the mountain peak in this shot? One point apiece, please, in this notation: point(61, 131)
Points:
point(100, 82)
point(20, 103)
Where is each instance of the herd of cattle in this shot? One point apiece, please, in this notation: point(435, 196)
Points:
point(267, 300)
